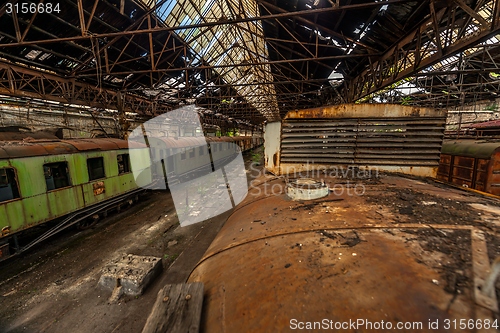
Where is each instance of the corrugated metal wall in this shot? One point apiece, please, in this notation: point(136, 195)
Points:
point(399, 141)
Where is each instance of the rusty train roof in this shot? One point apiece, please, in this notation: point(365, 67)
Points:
point(16, 149)
point(487, 124)
point(471, 148)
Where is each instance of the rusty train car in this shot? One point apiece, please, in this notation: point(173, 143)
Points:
point(344, 262)
point(473, 164)
point(46, 180)
point(73, 182)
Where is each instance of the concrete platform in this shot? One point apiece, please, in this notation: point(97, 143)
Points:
point(132, 273)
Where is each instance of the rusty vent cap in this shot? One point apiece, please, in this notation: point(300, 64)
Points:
point(306, 189)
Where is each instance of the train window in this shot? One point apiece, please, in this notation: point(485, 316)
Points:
point(183, 153)
point(56, 175)
point(191, 153)
point(95, 167)
point(8, 185)
point(201, 151)
point(123, 163)
point(214, 147)
point(220, 146)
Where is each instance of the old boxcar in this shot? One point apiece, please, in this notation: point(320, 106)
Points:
point(471, 163)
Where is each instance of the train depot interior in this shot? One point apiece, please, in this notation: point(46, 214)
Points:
point(249, 166)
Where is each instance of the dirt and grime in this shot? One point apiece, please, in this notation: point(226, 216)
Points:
point(54, 288)
point(412, 234)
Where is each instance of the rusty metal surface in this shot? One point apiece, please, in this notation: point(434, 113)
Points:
point(493, 184)
point(481, 268)
point(87, 144)
point(392, 137)
point(338, 258)
point(4, 250)
point(56, 147)
point(364, 111)
point(471, 148)
point(314, 281)
point(473, 164)
point(487, 124)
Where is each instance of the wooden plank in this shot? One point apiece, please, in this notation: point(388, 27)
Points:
point(177, 309)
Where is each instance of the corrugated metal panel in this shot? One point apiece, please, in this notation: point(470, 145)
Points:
point(363, 141)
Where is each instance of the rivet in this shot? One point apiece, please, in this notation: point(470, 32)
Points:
point(165, 298)
point(188, 297)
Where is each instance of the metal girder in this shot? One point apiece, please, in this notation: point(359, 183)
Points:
point(201, 25)
point(435, 39)
point(17, 81)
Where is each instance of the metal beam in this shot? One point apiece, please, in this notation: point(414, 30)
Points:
point(208, 24)
point(410, 54)
point(202, 67)
point(18, 81)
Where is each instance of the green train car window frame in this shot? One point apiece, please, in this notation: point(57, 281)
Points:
point(123, 161)
point(56, 175)
point(9, 189)
point(95, 168)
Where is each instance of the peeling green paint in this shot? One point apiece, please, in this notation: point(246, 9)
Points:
point(37, 206)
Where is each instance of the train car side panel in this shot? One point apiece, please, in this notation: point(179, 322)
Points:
point(462, 171)
point(64, 201)
point(36, 210)
point(30, 175)
point(97, 186)
point(444, 168)
point(471, 163)
point(62, 194)
point(493, 185)
point(34, 205)
point(14, 213)
point(481, 178)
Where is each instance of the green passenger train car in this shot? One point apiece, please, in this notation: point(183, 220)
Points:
point(47, 179)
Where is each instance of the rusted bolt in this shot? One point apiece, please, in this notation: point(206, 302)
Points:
point(165, 298)
point(188, 297)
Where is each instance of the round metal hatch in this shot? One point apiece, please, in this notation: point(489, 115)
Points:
point(306, 189)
